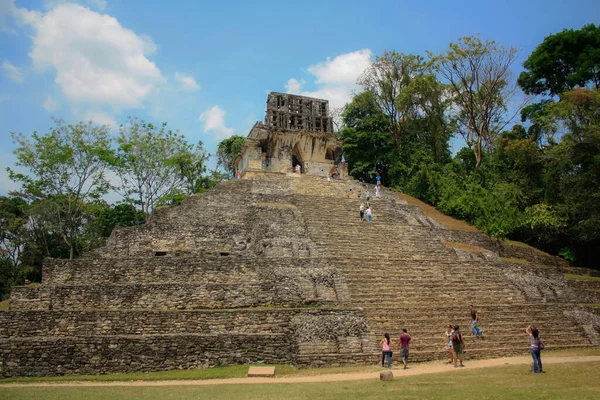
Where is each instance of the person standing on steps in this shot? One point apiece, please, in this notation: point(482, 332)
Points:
point(448, 340)
point(458, 346)
point(238, 174)
point(362, 212)
point(377, 192)
point(477, 332)
point(386, 350)
point(403, 345)
point(367, 195)
point(378, 179)
point(369, 215)
point(535, 346)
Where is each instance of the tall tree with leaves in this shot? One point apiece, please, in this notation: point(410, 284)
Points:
point(227, 150)
point(153, 162)
point(387, 78)
point(563, 61)
point(368, 145)
point(66, 170)
point(479, 76)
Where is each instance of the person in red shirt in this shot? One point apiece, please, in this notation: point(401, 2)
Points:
point(403, 345)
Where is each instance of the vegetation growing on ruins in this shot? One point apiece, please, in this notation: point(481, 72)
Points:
point(60, 210)
point(537, 181)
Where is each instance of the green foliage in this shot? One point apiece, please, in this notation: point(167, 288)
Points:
point(563, 61)
point(478, 74)
point(153, 162)
point(567, 254)
point(66, 169)
point(227, 150)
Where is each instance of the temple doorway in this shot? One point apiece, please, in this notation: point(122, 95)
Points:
point(297, 159)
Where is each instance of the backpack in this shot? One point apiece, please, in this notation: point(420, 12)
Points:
point(456, 338)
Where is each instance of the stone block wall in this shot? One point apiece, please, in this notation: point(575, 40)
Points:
point(110, 341)
point(112, 354)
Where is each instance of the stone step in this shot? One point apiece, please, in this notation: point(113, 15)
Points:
point(162, 296)
point(152, 322)
point(141, 353)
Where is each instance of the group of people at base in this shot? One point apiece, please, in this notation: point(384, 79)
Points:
point(455, 344)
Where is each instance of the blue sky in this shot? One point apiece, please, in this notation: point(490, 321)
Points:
point(205, 67)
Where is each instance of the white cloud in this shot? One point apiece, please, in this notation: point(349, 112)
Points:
point(99, 5)
point(51, 105)
point(187, 82)
point(214, 121)
point(97, 61)
point(100, 118)
point(335, 79)
point(293, 86)
point(13, 72)
point(344, 69)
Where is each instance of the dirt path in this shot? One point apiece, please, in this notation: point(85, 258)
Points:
point(417, 369)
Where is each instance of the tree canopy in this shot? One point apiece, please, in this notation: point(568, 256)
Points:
point(563, 61)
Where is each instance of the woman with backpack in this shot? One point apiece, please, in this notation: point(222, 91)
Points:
point(386, 350)
point(458, 345)
point(536, 346)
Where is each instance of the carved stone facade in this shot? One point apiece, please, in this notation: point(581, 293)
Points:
point(297, 132)
point(292, 112)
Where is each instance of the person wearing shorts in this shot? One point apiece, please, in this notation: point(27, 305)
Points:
point(404, 345)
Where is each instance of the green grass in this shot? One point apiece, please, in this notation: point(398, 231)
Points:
point(515, 260)
point(561, 381)
point(240, 371)
point(576, 277)
point(235, 371)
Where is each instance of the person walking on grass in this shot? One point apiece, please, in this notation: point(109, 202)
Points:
point(403, 345)
point(535, 346)
point(477, 332)
point(448, 340)
point(386, 350)
point(458, 346)
point(369, 214)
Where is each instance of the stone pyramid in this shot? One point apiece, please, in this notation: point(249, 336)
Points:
point(278, 268)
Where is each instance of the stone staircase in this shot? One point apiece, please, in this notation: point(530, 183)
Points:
point(278, 269)
point(401, 274)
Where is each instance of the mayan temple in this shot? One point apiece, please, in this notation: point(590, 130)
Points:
point(276, 267)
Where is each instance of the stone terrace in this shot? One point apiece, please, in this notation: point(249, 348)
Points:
point(276, 269)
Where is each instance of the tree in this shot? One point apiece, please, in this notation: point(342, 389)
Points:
point(367, 143)
point(67, 169)
point(227, 150)
point(479, 77)
point(153, 162)
point(13, 228)
point(387, 78)
point(563, 61)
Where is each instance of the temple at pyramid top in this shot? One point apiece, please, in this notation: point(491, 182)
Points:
point(288, 111)
point(296, 137)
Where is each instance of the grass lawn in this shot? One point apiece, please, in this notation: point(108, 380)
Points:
point(562, 381)
point(588, 278)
